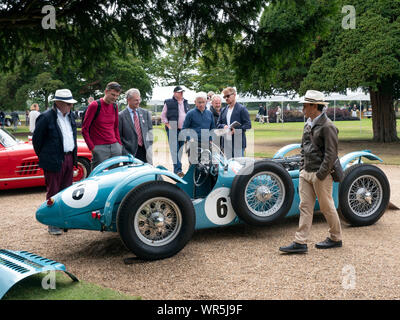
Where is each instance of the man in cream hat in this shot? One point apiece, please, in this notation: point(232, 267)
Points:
point(54, 141)
point(319, 151)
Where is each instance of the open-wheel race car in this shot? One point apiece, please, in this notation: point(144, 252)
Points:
point(19, 164)
point(156, 212)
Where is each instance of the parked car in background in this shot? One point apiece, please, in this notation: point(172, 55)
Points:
point(19, 164)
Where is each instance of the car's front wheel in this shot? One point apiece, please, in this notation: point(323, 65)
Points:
point(263, 196)
point(156, 220)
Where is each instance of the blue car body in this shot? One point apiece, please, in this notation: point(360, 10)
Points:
point(93, 203)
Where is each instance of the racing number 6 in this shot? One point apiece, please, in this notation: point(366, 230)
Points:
point(78, 193)
point(222, 208)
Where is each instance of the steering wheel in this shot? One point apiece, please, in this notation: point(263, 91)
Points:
point(202, 169)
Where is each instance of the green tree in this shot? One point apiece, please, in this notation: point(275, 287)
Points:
point(367, 56)
point(39, 76)
point(302, 44)
point(87, 32)
point(173, 66)
point(215, 69)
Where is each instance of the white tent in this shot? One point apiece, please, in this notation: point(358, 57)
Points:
point(161, 93)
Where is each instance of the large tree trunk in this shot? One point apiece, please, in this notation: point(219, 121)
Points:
point(383, 117)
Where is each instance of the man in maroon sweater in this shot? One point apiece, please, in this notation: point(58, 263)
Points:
point(101, 132)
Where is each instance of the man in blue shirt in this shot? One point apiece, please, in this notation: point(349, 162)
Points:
point(200, 121)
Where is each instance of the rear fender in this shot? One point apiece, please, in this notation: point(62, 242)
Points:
point(286, 149)
point(113, 161)
point(116, 193)
point(346, 159)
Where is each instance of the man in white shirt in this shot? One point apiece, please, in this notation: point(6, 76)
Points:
point(55, 144)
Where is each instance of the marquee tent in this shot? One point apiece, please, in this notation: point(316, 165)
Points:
point(161, 93)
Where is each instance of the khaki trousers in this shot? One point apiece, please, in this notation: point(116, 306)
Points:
point(311, 187)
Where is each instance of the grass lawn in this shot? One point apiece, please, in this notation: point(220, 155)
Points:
point(65, 289)
point(353, 135)
point(268, 138)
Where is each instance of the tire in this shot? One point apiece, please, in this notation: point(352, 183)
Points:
point(138, 229)
point(81, 170)
point(264, 195)
point(363, 183)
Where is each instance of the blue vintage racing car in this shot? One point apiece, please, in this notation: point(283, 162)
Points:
point(156, 212)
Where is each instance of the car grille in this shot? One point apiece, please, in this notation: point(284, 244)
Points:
point(28, 168)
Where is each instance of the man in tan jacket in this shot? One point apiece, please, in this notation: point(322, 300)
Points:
point(319, 150)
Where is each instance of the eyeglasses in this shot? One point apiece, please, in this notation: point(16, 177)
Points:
point(228, 95)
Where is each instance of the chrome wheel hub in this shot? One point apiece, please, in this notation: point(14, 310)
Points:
point(365, 195)
point(263, 193)
point(158, 221)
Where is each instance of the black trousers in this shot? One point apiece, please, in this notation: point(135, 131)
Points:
point(141, 153)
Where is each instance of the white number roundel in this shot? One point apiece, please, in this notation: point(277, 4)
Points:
point(81, 194)
point(218, 207)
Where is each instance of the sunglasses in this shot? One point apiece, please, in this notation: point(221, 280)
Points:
point(228, 95)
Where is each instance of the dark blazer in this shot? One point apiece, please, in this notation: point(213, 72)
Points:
point(239, 114)
point(47, 141)
point(128, 133)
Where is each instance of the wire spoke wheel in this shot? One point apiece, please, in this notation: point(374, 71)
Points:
point(155, 220)
point(365, 195)
point(264, 194)
point(158, 221)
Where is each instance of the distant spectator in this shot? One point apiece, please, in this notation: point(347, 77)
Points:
point(15, 119)
point(2, 118)
point(33, 115)
point(278, 114)
point(210, 94)
point(216, 103)
point(354, 112)
point(27, 118)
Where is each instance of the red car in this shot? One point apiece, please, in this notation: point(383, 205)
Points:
point(19, 164)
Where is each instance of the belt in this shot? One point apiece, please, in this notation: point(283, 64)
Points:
point(69, 152)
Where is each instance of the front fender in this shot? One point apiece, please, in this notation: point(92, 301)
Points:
point(119, 188)
point(346, 159)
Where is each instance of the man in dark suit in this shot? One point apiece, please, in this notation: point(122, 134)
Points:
point(54, 141)
point(135, 128)
point(235, 140)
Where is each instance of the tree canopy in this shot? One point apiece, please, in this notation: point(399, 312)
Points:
point(88, 31)
point(303, 45)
